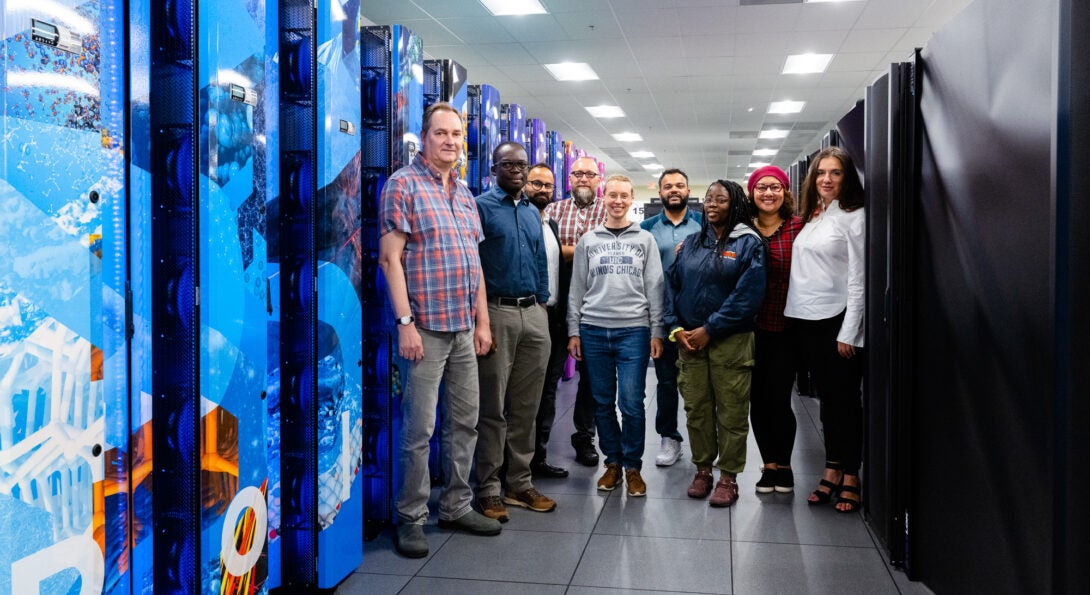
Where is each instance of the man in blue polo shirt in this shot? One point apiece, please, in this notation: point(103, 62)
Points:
point(516, 278)
point(669, 228)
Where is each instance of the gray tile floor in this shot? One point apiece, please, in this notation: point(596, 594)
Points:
point(665, 542)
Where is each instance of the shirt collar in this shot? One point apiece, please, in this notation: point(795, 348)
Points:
point(434, 171)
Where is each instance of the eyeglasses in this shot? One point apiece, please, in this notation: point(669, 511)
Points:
point(579, 175)
point(539, 185)
point(772, 187)
point(513, 165)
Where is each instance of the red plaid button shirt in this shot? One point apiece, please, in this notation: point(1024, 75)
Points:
point(574, 221)
point(778, 270)
point(442, 265)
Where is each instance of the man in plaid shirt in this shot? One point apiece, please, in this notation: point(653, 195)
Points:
point(575, 216)
point(428, 253)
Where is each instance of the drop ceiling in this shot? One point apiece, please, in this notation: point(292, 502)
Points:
point(694, 77)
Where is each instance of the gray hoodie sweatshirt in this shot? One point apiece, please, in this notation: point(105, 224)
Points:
point(616, 281)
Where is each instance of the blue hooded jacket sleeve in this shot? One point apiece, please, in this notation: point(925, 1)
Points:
point(738, 311)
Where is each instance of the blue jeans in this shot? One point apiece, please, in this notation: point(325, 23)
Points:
point(616, 361)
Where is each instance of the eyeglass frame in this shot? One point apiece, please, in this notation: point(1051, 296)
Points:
point(766, 187)
point(579, 175)
point(539, 185)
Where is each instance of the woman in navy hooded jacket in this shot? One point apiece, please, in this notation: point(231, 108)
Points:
point(713, 292)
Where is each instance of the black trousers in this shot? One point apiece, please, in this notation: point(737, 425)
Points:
point(558, 355)
point(770, 411)
point(583, 413)
point(837, 382)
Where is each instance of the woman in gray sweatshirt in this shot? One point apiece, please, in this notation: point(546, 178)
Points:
point(615, 323)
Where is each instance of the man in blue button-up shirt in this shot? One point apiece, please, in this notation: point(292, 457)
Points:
point(670, 227)
point(516, 278)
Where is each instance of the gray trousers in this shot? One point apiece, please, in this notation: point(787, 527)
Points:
point(511, 379)
point(450, 357)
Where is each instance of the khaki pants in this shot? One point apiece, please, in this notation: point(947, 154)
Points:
point(715, 385)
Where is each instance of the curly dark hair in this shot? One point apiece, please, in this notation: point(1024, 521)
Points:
point(738, 211)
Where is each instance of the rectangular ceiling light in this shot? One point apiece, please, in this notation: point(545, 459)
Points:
point(572, 71)
point(765, 152)
point(806, 63)
point(606, 111)
point(773, 133)
point(627, 137)
point(756, 164)
point(813, 1)
point(642, 154)
point(785, 107)
point(513, 7)
point(653, 167)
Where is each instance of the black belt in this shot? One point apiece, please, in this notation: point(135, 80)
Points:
point(521, 302)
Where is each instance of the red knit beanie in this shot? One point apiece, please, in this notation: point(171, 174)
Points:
point(768, 170)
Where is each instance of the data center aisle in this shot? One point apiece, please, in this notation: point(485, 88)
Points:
point(664, 542)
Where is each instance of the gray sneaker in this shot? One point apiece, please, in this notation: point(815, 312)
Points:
point(411, 542)
point(473, 522)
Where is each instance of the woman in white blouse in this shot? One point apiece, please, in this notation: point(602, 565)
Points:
point(826, 297)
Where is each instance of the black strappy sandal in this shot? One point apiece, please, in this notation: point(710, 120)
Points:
point(853, 503)
point(822, 496)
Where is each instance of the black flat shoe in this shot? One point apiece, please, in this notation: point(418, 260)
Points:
point(544, 469)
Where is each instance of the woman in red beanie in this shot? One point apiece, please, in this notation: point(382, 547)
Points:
point(775, 343)
point(826, 297)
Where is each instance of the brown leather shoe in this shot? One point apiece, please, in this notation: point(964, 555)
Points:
point(725, 494)
point(636, 485)
point(611, 478)
point(493, 508)
point(702, 484)
point(532, 499)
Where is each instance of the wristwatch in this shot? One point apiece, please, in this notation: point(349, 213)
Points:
point(404, 320)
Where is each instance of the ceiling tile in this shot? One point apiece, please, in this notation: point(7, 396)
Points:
point(534, 27)
point(856, 61)
point(882, 14)
point(871, 40)
point(828, 16)
point(707, 21)
point(478, 31)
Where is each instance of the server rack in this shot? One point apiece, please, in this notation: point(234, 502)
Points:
point(294, 392)
point(537, 137)
point(392, 111)
point(339, 363)
point(64, 476)
point(483, 135)
point(209, 363)
point(557, 163)
point(513, 123)
point(445, 80)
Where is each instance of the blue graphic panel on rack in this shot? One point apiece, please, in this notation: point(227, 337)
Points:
point(513, 123)
point(63, 353)
point(339, 407)
point(140, 272)
point(407, 65)
point(538, 149)
point(556, 163)
point(234, 312)
point(483, 135)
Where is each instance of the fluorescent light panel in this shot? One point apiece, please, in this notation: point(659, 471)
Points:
point(627, 137)
point(572, 71)
point(757, 164)
point(806, 63)
point(606, 111)
point(642, 154)
point(785, 107)
point(765, 152)
point(513, 7)
point(814, 1)
point(653, 167)
point(773, 133)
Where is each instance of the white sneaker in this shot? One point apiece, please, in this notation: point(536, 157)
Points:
point(669, 453)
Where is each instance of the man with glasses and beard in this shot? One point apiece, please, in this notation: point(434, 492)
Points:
point(670, 227)
point(516, 280)
point(540, 184)
point(574, 217)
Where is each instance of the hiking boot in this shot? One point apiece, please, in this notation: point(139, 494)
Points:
point(493, 508)
point(532, 499)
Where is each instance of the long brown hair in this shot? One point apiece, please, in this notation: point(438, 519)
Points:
point(851, 189)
